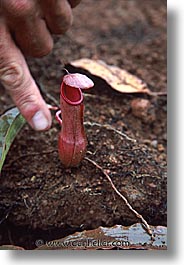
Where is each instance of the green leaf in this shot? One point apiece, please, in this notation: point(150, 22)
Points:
point(11, 123)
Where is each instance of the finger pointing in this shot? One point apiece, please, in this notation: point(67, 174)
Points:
point(16, 78)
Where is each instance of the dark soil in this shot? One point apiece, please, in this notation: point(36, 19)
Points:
point(39, 198)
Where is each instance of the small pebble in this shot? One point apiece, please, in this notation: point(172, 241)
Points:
point(160, 147)
point(154, 143)
point(143, 109)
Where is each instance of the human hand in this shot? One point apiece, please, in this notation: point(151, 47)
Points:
point(25, 28)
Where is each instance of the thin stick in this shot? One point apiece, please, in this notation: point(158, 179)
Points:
point(86, 95)
point(148, 229)
point(109, 127)
point(64, 69)
point(155, 94)
point(52, 107)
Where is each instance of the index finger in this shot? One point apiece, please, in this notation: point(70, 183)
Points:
point(16, 78)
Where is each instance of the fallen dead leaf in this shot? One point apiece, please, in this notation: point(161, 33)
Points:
point(10, 247)
point(118, 79)
point(118, 236)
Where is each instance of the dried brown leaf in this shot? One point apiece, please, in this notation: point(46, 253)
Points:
point(118, 79)
point(10, 247)
point(118, 236)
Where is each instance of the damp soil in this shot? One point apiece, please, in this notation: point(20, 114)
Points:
point(39, 198)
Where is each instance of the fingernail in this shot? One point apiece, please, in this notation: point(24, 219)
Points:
point(40, 122)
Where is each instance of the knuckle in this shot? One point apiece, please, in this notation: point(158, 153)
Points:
point(11, 74)
point(26, 100)
point(48, 46)
point(43, 50)
point(27, 103)
point(66, 23)
point(19, 8)
point(62, 23)
point(62, 18)
point(26, 96)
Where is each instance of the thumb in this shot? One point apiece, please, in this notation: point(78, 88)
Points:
point(16, 78)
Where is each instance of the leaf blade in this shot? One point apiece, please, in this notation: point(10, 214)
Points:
point(11, 122)
point(119, 79)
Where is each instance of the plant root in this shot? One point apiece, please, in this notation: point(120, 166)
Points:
point(109, 127)
point(144, 222)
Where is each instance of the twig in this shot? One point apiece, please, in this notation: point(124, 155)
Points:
point(52, 107)
point(67, 72)
point(96, 96)
point(148, 229)
point(155, 94)
point(109, 127)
